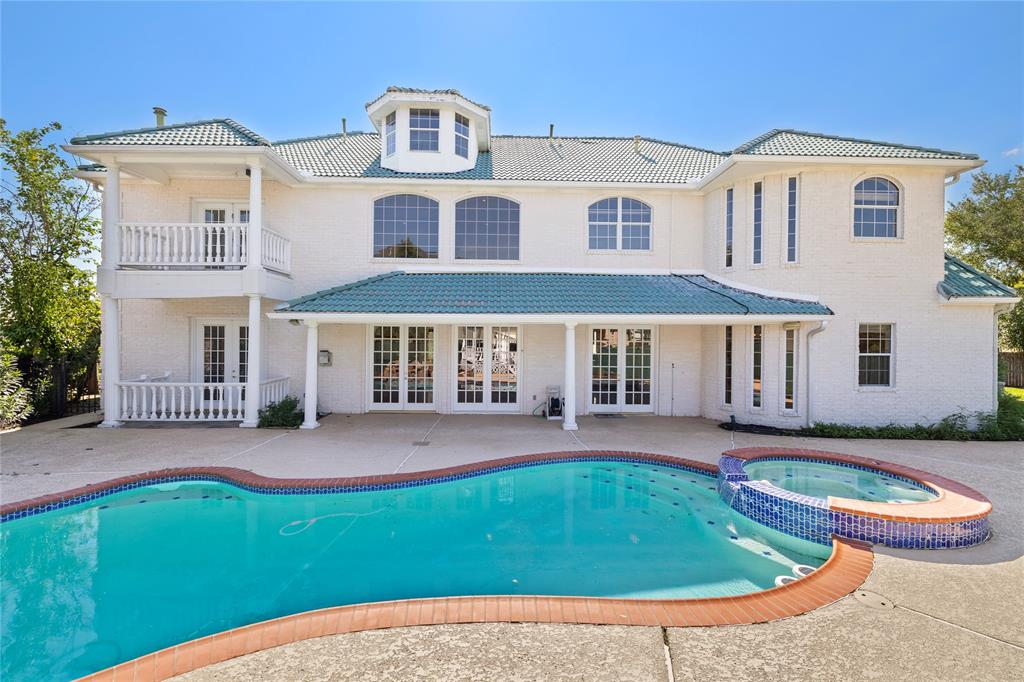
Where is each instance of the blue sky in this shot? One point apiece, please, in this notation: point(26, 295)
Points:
point(948, 75)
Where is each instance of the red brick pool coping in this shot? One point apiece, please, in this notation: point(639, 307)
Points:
point(955, 501)
point(844, 571)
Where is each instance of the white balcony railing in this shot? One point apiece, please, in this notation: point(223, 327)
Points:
point(199, 246)
point(277, 252)
point(151, 400)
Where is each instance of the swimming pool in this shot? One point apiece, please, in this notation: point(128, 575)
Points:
point(116, 577)
point(818, 479)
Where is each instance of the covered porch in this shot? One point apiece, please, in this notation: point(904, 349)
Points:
point(554, 344)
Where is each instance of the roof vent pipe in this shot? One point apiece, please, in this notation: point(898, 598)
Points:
point(551, 133)
point(636, 144)
point(160, 114)
point(344, 127)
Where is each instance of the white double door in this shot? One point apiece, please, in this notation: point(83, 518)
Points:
point(621, 369)
point(402, 367)
point(487, 368)
point(222, 354)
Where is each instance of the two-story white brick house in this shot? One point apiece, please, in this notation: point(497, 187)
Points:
point(432, 265)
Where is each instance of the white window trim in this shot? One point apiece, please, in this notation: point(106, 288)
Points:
point(455, 130)
point(759, 409)
point(891, 388)
point(486, 407)
point(199, 205)
point(795, 410)
point(730, 406)
point(726, 265)
point(402, 405)
point(392, 134)
point(618, 250)
point(483, 261)
point(436, 130)
point(786, 262)
point(900, 210)
point(621, 407)
point(751, 265)
point(440, 239)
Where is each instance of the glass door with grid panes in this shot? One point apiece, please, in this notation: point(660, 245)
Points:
point(401, 367)
point(486, 368)
point(222, 356)
point(621, 369)
point(219, 243)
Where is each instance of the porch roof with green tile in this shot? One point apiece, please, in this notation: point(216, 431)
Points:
point(963, 281)
point(549, 293)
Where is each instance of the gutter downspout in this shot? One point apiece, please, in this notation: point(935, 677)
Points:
point(817, 330)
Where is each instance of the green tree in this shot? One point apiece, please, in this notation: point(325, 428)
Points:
point(986, 229)
point(49, 311)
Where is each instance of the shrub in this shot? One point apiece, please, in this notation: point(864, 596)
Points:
point(14, 398)
point(284, 413)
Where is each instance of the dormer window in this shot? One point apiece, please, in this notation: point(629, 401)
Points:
point(424, 125)
point(390, 133)
point(462, 136)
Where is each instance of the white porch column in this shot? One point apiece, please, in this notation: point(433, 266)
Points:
point(111, 251)
point(254, 367)
point(569, 390)
point(254, 242)
point(312, 349)
point(110, 343)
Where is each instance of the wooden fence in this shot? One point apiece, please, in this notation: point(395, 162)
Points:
point(1014, 368)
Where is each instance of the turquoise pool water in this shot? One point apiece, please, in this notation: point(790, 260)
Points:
point(822, 480)
point(92, 585)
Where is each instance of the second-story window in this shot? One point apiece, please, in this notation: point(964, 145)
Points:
point(728, 228)
point(424, 125)
point(405, 226)
point(791, 219)
point(876, 205)
point(389, 134)
point(619, 224)
point(462, 136)
point(487, 228)
point(757, 255)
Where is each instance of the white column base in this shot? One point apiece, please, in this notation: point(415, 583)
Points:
point(247, 425)
point(308, 427)
point(570, 426)
point(108, 425)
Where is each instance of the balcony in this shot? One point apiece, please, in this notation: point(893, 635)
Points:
point(198, 246)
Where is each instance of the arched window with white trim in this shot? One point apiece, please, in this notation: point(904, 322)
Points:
point(405, 226)
point(876, 207)
point(486, 228)
point(619, 224)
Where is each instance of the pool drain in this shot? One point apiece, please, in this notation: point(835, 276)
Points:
point(873, 600)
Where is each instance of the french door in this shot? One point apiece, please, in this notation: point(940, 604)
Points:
point(401, 367)
point(222, 356)
point(222, 244)
point(621, 369)
point(487, 368)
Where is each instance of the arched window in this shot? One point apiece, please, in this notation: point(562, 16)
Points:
point(405, 226)
point(876, 205)
point(486, 228)
point(619, 224)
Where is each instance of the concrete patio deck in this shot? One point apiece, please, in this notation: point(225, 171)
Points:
point(957, 613)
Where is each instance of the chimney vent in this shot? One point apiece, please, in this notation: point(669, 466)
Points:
point(636, 144)
point(161, 113)
point(551, 132)
point(344, 127)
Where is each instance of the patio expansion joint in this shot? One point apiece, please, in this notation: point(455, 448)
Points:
point(1015, 645)
point(423, 439)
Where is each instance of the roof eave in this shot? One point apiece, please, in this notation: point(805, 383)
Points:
point(544, 318)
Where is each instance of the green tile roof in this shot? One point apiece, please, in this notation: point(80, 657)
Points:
point(802, 143)
point(545, 293)
point(514, 157)
point(961, 280)
point(215, 132)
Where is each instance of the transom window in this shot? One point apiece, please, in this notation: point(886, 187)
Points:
point(405, 226)
point(619, 223)
point(390, 133)
point(876, 205)
point(462, 136)
point(486, 228)
point(874, 355)
point(424, 125)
